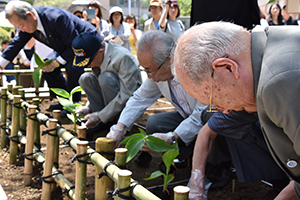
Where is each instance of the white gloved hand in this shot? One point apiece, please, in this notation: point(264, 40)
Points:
point(197, 189)
point(84, 110)
point(117, 133)
point(92, 120)
point(167, 137)
point(49, 68)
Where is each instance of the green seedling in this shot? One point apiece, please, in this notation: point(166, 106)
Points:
point(169, 152)
point(66, 100)
point(37, 73)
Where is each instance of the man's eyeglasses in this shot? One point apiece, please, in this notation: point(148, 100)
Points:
point(211, 107)
point(157, 68)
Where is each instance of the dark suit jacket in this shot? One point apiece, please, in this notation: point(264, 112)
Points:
point(60, 26)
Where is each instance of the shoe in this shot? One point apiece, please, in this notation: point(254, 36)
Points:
point(54, 106)
point(163, 169)
point(180, 163)
point(144, 159)
point(63, 113)
point(99, 130)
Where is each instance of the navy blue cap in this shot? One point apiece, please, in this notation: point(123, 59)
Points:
point(85, 46)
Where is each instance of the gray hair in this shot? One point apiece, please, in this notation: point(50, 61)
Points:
point(20, 8)
point(200, 45)
point(158, 43)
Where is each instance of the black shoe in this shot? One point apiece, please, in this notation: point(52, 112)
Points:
point(63, 113)
point(220, 175)
point(54, 106)
point(100, 130)
point(144, 159)
point(180, 163)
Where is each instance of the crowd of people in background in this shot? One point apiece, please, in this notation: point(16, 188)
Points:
point(118, 94)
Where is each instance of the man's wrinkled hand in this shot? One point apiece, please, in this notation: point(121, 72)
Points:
point(117, 133)
point(49, 68)
point(92, 120)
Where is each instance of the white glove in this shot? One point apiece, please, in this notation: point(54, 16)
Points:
point(84, 110)
point(92, 120)
point(197, 190)
point(116, 133)
point(167, 137)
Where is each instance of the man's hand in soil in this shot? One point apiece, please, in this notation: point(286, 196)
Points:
point(197, 186)
point(117, 133)
point(92, 120)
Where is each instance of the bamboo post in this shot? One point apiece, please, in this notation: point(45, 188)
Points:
point(3, 117)
point(81, 132)
point(15, 89)
point(29, 147)
point(9, 114)
point(120, 159)
point(14, 131)
point(22, 119)
point(37, 137)
point(56, 115)
point(80, 181)
point(46, 188)
point(17, 75)
point(181, 192)
point(124, 179)
point(105, 183)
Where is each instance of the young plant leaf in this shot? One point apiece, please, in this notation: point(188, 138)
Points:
point(67, 104)
point(61, 92)
point(157, 144)
point(142, 132)
point(74, 90)
point(38, 60)
point(139, 135)
point(168, 158)
point(71, 117)
point(133, 146)
point(167, 179)
point(36, 76)
point(154, 175)
point(48, 62)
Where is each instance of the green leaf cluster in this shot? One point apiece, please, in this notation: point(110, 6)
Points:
point(37, 73)
point(135, 142)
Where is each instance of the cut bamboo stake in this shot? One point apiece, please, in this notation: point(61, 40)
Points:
point(120, 159)
point(37, 137)
point(9, 114)
point(181, 192)
point(46, 188)
point(105, 183)
point(3, 117)
point(80, 182)
point(17, 75)
point(14, 131)
point(56, 115)
point(29, 147)
point(81, 132)
point(22, 119)
point(124, 178)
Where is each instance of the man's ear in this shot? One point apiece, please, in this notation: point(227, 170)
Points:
point(101, 50)
point(226, 65)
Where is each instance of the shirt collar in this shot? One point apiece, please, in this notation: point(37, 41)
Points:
point(39, 23)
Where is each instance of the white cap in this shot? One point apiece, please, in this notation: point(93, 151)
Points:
point(115, 9)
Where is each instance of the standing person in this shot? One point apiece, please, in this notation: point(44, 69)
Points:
point(275, 16)
point(155, 8)
point(116, 75)
point(223, 64)
point(288, 19)
point(135, 33)
point(54, 27)
point(98, 21)
point(118, 31)
point(168, 21)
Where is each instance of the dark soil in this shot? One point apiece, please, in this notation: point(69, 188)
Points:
point(11, 176)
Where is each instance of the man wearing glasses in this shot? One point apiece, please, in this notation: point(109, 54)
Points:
point(260, 74)
point(154, 55)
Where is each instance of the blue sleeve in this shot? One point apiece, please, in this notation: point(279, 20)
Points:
point(234, 125)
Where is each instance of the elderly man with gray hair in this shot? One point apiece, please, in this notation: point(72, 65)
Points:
point(154, 54)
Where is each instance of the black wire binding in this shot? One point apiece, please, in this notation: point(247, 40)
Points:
point(51, 175)
point(117, 191)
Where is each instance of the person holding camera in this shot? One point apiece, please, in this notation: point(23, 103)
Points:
point(118, 31)
point(93, 14)
point(168, 21)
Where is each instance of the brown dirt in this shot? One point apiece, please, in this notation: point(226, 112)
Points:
point(11, 176)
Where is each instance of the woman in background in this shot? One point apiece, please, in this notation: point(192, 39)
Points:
point(135, 33)
point(118, 31)
point(275, 16)
point(168, 21)
point(98, 21)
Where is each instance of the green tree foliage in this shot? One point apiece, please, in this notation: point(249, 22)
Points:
point(185, 7)
point(64, 4)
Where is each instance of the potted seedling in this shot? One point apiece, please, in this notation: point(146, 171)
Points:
point(169, 152)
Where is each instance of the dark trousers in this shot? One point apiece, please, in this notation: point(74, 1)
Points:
point(56, 79)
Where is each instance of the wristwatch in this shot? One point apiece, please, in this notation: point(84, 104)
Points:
point(173, 138)
point(56, 64)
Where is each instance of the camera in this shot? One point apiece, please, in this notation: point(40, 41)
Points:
point(91, 13)
point(172, 2)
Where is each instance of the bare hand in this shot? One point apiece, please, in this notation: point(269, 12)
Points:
point(49, 68)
